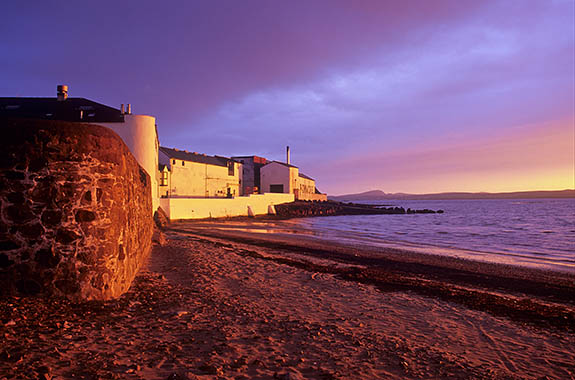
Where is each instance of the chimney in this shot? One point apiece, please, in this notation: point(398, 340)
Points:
point(287, 155)
point(129, 109)
point(122, 111)
point(62, 92)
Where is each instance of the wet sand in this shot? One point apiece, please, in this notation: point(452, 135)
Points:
point(215, 304)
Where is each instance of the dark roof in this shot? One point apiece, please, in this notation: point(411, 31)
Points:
point(195, 157)
point(305, 176)
point(283, 163)
point(255, 159)
point(71, 109)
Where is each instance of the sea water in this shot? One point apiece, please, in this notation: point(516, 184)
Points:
point(530, 232)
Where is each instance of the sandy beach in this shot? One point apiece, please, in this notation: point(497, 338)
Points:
point(215, 304)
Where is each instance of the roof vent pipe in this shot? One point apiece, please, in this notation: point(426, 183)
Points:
point(129, 109)
point(62, 93)
point(287, 155)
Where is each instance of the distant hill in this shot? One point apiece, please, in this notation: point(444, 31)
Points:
point(378, 195)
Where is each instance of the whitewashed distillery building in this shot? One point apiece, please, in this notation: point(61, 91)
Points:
point(191, 174)
point(282, 177)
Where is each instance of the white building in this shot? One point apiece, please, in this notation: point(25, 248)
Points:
point(190, 174)
point(280, 177)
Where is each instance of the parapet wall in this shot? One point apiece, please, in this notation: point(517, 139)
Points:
point(75, 210)
point(311, 197)
point(139, 133)
point(202, 208)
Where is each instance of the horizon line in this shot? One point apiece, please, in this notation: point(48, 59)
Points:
point(455, 192)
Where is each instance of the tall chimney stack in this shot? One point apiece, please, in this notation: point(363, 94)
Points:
point(122, 109)
point(129, 109)
point(62, 92)
point(287, 155)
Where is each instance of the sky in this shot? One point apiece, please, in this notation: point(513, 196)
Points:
point(401, 96)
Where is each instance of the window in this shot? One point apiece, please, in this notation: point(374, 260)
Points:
point(182, 163)
point(277, 188)
point(174, 162)
point(231, 168)
point(164, 179)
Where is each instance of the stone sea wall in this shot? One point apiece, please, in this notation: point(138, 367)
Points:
point(75, 210)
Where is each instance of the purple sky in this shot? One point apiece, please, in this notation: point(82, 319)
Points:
point(402, 96)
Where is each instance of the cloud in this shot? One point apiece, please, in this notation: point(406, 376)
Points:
point(465, 82)
point(336, 80)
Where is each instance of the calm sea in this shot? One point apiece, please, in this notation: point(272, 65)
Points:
point(535, 232)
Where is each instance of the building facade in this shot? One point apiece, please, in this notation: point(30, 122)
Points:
point(251, 166)
point(194, 175)
point(305, 186)
point(279, 177)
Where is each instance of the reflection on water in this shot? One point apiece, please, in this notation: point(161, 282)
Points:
point(267, 227)
point(536, 233)
point(266, 230)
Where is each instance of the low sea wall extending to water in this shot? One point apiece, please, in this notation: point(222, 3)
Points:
point(202, 208)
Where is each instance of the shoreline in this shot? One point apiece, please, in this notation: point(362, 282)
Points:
point(251, 226)
point(276, 225)
point(501, 289)
point(235, 306)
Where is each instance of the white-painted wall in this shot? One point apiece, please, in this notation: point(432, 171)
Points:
point(194, 179)
point(275, 173)
point(198, 208)
point(140, 135)
point(311, 197)
point(306, 186)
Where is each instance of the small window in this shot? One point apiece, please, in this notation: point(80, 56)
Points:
point(164, 179)
point(174, 162)
point(231, 168)
point(182, 163)
point(278, 188)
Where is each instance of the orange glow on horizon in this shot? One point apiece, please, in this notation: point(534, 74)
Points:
point(529, 158)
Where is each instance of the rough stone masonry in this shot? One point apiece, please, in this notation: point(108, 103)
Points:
point(75, 210)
